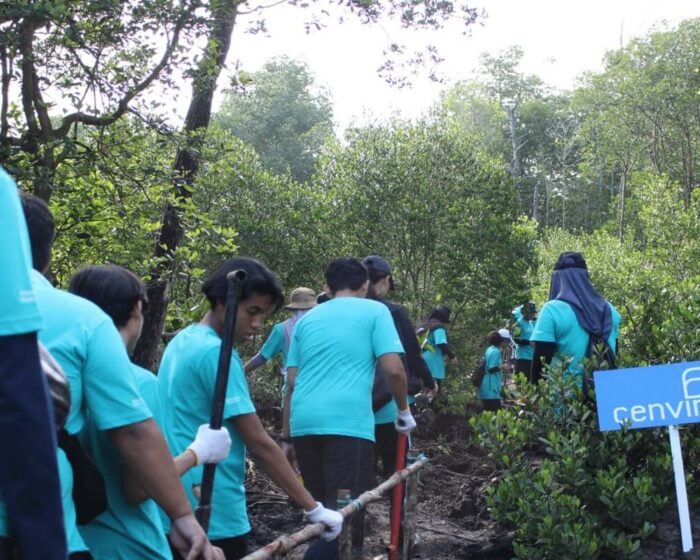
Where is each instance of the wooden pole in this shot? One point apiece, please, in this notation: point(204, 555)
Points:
point(344, 539)
point(285, 543)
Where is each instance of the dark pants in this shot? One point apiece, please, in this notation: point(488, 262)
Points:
point(328, 464)
point(29, 482)
point(386, 439)
point(524, 366)
point(491, 404)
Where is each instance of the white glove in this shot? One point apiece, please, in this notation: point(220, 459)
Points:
point(211, 446)
point(405, 422)
point(333, 520)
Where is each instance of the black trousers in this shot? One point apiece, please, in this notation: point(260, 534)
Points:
point(328, 464)
point(523, 366)
point(491, 404)
point(29, 482)
point(386, 440)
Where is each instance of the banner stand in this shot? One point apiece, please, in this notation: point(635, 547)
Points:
point(681, 493)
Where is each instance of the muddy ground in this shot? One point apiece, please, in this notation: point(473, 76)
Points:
point(453, 521)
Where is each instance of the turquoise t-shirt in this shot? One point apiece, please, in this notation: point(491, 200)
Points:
point(335, 347)
point(490, 387)
point(434, 358)
point(186, 378)
point(19, 312)
point(523, 352)
point(275, 344)
point(124, 531)
point(87, 345)
point(65, 474)
point(558, 323)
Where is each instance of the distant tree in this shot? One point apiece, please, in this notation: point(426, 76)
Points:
point(278, 112)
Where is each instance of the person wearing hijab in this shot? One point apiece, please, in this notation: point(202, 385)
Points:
point(301, 300)
point(574, 312)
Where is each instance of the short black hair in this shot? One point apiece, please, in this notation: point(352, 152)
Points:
point(259, 280)
point(42, 229)
point(441, 313)
point(113, 288)
point(345, 273)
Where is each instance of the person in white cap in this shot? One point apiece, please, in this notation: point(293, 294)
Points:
point(489, 391)
point(301, 301)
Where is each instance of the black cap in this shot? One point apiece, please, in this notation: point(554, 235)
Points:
point(441, 313)
point(379, 264)
point(570, 259)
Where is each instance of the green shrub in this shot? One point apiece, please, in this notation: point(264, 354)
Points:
point(569, 490)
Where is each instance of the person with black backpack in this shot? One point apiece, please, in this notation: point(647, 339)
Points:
point(433, 332)
point(576, 323)
point(417, 373)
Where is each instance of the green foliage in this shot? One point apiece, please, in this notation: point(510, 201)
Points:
point(570, 490)
point(279, 114)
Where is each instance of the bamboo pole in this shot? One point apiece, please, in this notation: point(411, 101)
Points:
point(344, 544)
point(285, 543)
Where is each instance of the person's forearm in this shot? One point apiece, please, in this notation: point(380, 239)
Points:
point(135, 493)
point(446, 350)
point(145, 452)
point(271, 457)
point(255, 362)
point(396, 380)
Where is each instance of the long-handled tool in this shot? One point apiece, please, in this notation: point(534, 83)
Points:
point(397, 501)
point(233, 290)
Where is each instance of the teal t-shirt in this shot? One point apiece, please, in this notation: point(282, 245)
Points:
point(19, 312)
point(124, 531)
point(65, 474)
point(434, 357)
point(275, 344)
point(558, 323)
point(490, 387)
point(87, 345)
point(335, 347)
point(186, 378)
point(523, 352)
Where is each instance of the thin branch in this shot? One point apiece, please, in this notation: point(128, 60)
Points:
point(260, 8)
point(123, 105)
point(6, 64)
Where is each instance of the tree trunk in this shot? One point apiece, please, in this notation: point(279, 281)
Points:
point(185, 168)
point(622, 206)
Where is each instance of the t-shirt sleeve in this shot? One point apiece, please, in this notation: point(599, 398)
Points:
point(111, 394)
point(293, 356)
point(440, 336)
point(385, 338)
point(238, 400)
point(493, 359)
point(274, 343)
point(545, 328)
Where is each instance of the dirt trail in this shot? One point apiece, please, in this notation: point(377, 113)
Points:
point(451, 516)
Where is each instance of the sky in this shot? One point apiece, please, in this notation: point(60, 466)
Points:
point(561, 39)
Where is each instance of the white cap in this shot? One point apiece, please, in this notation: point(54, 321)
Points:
point(504, 333)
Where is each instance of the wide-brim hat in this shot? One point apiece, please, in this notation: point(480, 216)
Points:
point(301, 298)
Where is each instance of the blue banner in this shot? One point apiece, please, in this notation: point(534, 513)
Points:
point(646, 397)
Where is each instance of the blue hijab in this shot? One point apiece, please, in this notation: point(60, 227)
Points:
point(570, 283)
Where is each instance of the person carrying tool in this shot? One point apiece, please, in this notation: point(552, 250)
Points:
point(131, 525)
point(87, 345)
point(330, 372)
point(187, 376)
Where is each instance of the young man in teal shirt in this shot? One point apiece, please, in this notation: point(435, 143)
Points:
point(85, 342)
point(29, 479)
point(330, 372)
point(575, 310)
point(131, 526)
point(187, 375)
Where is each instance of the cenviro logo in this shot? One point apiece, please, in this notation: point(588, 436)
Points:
point(687, 408)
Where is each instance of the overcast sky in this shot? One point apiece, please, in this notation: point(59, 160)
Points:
point(560, 38)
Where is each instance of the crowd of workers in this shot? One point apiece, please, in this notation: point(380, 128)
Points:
point(351, 361)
